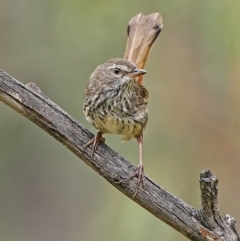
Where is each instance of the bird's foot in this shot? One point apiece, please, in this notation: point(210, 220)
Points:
point(140, 175)
point(95, 141)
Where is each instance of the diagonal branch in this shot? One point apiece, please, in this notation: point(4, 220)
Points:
point(203, 224)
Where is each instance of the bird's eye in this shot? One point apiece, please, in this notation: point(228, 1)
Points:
point(116, 71)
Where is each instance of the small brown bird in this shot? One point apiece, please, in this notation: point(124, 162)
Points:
point(115, 101)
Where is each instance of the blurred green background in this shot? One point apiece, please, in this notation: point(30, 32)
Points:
point(46, 193)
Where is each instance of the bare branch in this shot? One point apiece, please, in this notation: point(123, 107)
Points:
point(203, 224)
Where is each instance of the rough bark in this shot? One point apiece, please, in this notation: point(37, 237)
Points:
point(203, 224)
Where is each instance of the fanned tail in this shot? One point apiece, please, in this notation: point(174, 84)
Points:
point(142, 32)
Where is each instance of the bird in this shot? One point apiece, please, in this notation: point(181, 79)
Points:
point(115, 100)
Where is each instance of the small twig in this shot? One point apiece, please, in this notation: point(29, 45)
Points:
point(215, 228)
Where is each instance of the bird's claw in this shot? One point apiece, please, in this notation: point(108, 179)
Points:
point(95, 141)
point(139, 173)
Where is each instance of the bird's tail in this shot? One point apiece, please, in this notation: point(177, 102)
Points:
point(142, 32)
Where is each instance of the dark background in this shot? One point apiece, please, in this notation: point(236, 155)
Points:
point(46, 193)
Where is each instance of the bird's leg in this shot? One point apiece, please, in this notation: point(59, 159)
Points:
point(140, 170)
point(95, 141)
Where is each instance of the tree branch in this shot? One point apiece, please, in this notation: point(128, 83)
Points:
point(203, 224)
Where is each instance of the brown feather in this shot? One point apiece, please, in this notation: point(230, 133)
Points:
point(142, 32)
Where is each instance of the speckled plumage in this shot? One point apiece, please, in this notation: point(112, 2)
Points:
point(116, 103)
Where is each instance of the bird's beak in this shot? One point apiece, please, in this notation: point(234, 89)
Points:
point(137, 72)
